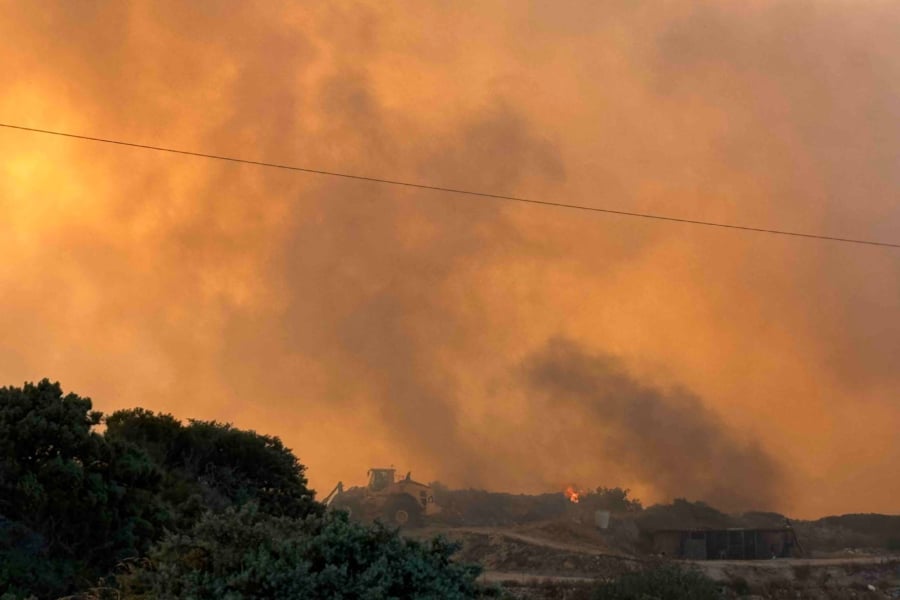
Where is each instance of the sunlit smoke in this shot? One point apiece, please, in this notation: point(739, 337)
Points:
point(464, 337)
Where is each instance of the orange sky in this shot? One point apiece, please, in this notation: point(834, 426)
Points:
point(483, 344)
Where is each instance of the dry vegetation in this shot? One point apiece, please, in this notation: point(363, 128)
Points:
point(544, 546)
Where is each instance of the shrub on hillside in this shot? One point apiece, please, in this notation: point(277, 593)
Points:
point(480, 507)
point(245, 554)
point(615, 499)
point(666, 582)
point(683, 513)
point(213, 466)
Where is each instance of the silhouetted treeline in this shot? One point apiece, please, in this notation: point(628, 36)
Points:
point(154, 508)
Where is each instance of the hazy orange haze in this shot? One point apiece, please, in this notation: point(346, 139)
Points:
point(480, 343)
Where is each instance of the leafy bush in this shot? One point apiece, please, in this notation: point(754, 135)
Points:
point(213, 466)
point(25, 568)
point(802, 572)
point(480, 507)
point(245, 554)
point(74, 503)
point(667, 582)
point(614, 499)
point(740, 586)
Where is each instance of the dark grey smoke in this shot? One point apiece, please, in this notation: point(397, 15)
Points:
point(665, 438)
point(390, 299)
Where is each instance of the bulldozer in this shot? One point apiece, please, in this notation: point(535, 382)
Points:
point(403, 503)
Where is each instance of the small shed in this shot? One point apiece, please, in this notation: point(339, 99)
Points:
point(730, 544)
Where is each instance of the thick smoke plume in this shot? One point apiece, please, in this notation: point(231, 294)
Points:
point(370, 325)
point(666, 439)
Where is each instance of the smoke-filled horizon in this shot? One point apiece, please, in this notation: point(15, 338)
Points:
point(478, 343)
point(664, 439)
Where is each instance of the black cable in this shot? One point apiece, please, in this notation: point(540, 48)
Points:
point(456, 191)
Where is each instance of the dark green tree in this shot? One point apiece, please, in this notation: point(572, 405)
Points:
point(72, 500)
point(213, 466)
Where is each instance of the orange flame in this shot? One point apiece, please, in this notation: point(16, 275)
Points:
point(572, 494)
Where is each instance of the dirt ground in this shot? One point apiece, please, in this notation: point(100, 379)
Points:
point(816, 578)
point(564, 557)
point(544, 546)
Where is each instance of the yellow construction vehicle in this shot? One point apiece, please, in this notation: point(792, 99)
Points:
point(403, 503)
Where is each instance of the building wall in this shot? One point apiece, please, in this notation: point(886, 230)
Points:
point(731, 544)
point(668, 543)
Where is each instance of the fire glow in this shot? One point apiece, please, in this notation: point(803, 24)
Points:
point(572, 494)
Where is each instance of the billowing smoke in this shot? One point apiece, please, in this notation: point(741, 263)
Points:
point(664, 438)
point(391, 275)
point(368, 325)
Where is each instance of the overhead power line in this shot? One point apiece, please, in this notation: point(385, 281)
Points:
point(449, 190)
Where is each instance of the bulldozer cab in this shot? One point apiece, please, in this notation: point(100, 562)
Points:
point(380, 479)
